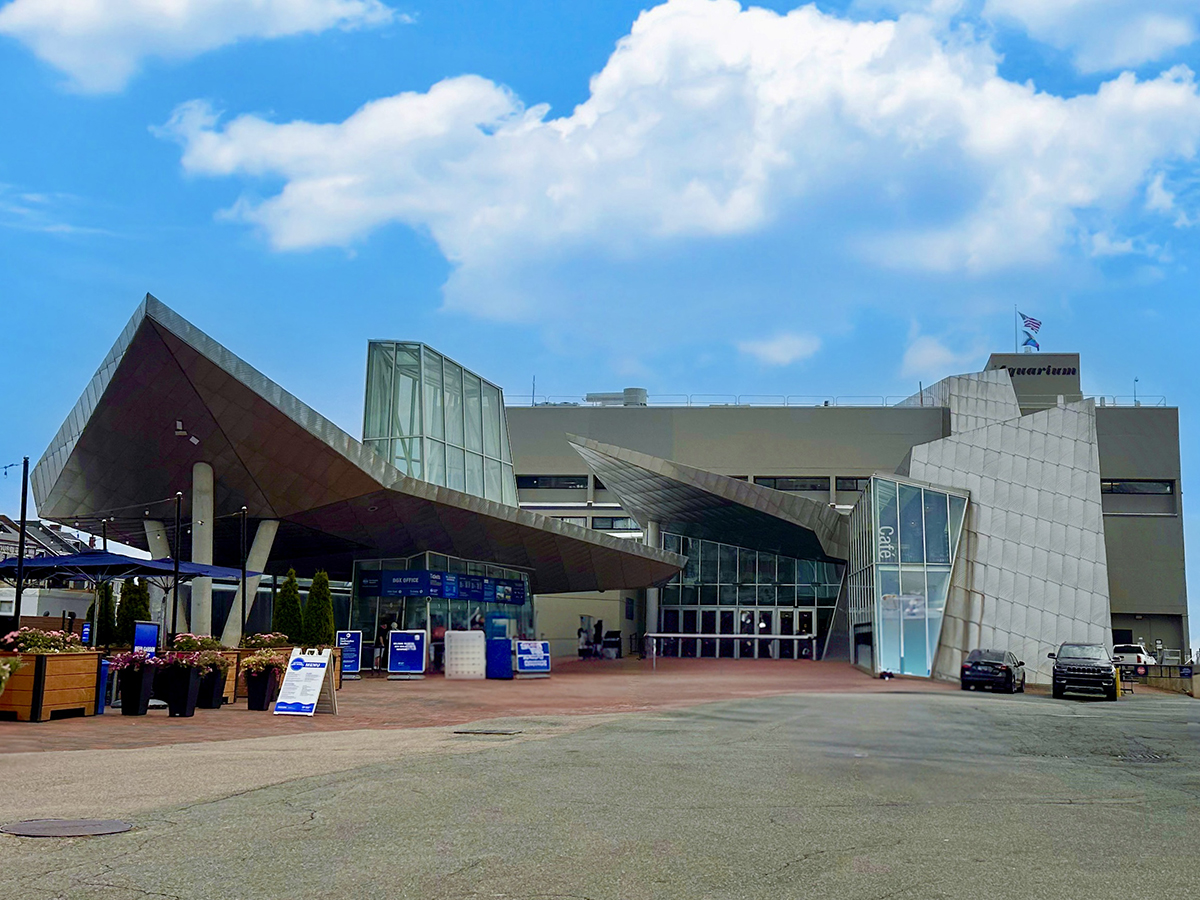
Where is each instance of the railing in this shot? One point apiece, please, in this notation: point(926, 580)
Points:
point(814, 400)
point(707, 400)
point(652, 639)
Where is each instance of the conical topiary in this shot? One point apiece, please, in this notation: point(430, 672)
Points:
point(286, 617)
point(106, 616)
point(318, 613)
point(134, 607)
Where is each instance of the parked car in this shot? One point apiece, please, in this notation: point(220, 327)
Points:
point(996, 669)
point(1133, 655)
point(1084, 669)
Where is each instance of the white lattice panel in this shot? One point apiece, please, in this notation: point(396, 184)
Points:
point(466, 654)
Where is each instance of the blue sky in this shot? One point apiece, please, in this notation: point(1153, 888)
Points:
point(698, 197)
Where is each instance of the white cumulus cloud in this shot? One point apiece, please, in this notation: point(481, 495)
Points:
point(101, 44)
point(895, 141)
point(781, 349)
point(1103, 35)
point(931, 358)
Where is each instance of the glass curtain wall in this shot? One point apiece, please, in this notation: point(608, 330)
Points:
point(751, 603)
point(903, 541)
point(434, 420)
point(367, 613)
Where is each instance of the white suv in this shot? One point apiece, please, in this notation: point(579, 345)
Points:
point(1133, 655)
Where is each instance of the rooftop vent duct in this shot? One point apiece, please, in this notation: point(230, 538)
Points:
point(627, 397)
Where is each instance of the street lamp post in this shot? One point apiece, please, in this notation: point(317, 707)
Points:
point(243, 628)
point(21, 542)
point(175, 560)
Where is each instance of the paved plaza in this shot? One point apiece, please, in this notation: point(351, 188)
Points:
point(806, 780)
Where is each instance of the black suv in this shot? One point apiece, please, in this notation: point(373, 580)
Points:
point(1085, 669)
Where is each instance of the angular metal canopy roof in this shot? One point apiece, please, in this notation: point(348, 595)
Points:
point(120, 450)
point(703, 504)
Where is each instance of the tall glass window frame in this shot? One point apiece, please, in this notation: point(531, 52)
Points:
point(430, 435)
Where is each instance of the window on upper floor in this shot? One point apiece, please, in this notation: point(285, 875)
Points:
point(794, 482)
point(614, 523)
point(852, 483)
point(552, 482)
point(1136, 486)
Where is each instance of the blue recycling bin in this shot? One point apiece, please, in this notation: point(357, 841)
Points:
point(499, 658)
point(102, 687)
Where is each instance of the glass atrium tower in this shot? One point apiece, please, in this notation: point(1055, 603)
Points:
point(436, 421)
point(903, 541)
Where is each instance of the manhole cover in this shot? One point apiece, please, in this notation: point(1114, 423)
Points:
point(66, 827)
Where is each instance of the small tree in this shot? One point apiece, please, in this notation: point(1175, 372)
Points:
point(286, 617)
point(134, 607)
point(318, 613)
point(106, 626)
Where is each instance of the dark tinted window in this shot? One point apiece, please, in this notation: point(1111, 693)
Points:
point(794, 482)
point(552, 482)
point(848, 483)
point(614, 523)
point(985, 656)
point(1082, 651)
point(1136, 486)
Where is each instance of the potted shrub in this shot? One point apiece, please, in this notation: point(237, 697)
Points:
point(135, 675)
point(58, 675)
point(214, 668)
point(266, 640)
point(263, 671)
point(8, 668)
point(179, 675)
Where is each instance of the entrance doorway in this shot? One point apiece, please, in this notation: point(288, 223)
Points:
point(752, 632)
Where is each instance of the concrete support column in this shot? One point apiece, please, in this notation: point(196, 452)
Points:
point(160, 548)
point(202, 545)
point(652, 539)
point(256, 561)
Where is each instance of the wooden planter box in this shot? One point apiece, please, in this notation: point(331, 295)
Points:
point(51, 686)
point(335, 660)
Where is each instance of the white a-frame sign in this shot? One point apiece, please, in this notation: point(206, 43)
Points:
point(307, 685)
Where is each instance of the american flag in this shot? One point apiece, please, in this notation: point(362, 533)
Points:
point(1032, 324)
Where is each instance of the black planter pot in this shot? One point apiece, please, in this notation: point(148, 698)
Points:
point(212, 690)
point(136, 687)
point(260, 688)
point(181, 689)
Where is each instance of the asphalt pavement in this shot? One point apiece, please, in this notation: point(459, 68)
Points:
point(921, 795)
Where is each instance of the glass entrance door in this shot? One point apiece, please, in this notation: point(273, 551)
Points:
point(767, 648)
point(708, 625)
point(787, 625)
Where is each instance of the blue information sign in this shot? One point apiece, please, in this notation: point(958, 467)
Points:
point(1185, 671)
point(350, 643)
point(86, 634)
point(145, 637)
point(406, 652)
point(421, 583)
point(533, 657)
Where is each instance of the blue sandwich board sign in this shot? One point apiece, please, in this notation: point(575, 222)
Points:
point(350, 643)
point(533, 657)
point(145, 637)
point(406, 652)
point(86, 635)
